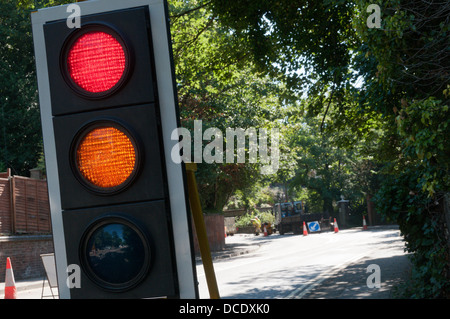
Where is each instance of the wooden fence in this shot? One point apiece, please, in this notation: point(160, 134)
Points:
point(24, 206)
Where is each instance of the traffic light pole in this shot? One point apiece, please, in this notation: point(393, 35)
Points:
point(201, 231)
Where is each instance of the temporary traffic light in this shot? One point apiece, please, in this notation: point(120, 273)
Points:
point(108, 106)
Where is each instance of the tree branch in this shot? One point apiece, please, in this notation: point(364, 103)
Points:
point(190, 10)
point(326, 111)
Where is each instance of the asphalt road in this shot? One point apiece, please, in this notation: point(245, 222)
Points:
point(326, 265)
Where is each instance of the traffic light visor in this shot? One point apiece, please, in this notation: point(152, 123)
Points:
point(96, 61)
point(106, 156)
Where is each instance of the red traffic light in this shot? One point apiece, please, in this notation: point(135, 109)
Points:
point(96, 61)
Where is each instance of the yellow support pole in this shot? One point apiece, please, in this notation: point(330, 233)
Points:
point(201, 231)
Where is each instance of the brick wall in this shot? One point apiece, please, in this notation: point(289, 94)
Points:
point(215, 230)
point(24, 252)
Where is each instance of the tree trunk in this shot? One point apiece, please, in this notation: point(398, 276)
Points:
point(370, 210)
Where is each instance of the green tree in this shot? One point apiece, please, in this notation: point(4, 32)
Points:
point(20, 132)
point(403, 96)
point(217, 84)
point(408, 83)
point(322, 166)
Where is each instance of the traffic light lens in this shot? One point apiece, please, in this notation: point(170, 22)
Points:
point(116, 254)
point(106, 157)
point(96, 61)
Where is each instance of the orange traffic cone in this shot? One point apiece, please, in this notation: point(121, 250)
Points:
point(364, 223)
point(10, 285)
point(305, 232)
point(336, 229)
point(265, 231)
point(225, 231)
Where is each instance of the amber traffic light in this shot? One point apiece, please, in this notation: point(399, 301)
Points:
point(106, 157)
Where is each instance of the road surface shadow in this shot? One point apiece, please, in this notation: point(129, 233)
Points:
point(353, 282)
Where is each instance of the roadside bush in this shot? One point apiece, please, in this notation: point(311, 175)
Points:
point(246, 220)
point(420, 219)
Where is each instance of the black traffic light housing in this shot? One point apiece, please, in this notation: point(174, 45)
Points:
point(155, 277)
point(129, 26)
point(111, 197)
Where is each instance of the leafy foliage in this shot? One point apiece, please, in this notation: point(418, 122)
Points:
point(367, 110)
point(399, 110)
point(411, 75)
point(218, 84)
point(20, 135)
point(246, 220)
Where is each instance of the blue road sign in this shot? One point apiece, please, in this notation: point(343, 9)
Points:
point(314, 226)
